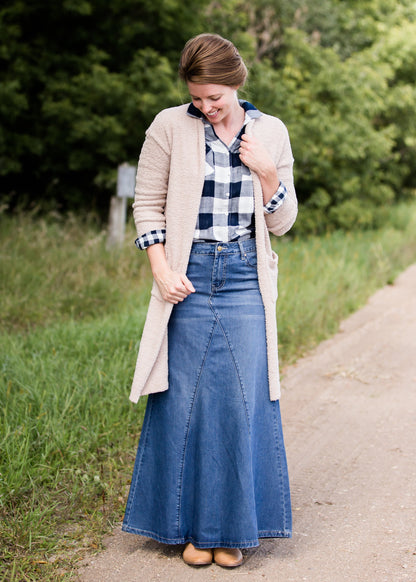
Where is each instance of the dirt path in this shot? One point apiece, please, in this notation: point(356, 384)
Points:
point(349, 413)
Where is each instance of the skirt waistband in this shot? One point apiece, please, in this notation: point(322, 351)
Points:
point(229, 248)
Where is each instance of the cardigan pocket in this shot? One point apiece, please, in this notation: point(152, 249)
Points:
point(272, 263)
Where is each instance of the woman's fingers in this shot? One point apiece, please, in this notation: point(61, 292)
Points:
point(175, 287)
point(188, 285)
point(253, 154)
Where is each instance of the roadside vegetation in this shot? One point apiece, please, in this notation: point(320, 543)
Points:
point(73, 107)
point(71, 316)
point(340, 75)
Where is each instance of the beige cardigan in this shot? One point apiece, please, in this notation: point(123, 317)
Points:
point(169, 184)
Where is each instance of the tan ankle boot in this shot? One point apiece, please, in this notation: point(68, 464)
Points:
point(195, 557)
point(228, 557)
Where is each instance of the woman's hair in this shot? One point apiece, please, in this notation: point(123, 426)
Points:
point(211, 59)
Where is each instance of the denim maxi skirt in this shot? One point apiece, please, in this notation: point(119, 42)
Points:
point(211, 464)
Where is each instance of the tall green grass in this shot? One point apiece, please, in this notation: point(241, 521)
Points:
point(53, 269)
point(71, 314)
point(324, 279)
point(68, 439)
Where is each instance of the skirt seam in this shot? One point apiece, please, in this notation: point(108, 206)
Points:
point(188, 424)
point(240, 380)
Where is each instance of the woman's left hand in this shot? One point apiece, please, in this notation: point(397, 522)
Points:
point(254, 155)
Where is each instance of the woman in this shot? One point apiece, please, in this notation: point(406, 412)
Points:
point(214, 177)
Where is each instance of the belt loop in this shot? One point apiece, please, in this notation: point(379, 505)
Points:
point(242, 251)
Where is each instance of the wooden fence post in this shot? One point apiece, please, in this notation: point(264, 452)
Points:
point(126, 178)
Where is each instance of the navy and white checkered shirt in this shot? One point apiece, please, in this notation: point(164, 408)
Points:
point(226, 211)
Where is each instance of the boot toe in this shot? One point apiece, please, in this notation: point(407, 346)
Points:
point(228, 557)
point(197, 557)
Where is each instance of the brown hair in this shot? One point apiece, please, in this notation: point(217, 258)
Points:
point(211, 59)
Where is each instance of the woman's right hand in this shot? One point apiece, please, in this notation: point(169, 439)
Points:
point(174, 287)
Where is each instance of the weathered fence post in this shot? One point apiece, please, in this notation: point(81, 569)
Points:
point(126, 177)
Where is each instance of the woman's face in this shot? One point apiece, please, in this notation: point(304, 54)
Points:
point(216, 102)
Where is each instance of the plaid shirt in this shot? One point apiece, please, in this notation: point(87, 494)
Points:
point(226, 211)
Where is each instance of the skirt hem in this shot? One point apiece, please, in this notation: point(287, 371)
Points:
point(206, 545)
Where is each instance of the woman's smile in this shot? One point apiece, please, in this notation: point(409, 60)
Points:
point(217, 102)
point(212, 113)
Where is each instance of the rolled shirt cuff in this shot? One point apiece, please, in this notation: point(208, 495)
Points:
point(276, 200)
point(150, 238)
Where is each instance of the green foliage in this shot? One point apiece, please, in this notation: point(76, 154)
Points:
point(81, 80)
point(400, 99)
point(350, 26)
point(339, 153)
point(80, 83)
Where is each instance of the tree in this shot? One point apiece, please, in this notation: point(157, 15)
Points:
point(82, 79)
point(352, 136)
point(81, 82)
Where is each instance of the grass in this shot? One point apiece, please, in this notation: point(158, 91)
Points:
point(69, 437)
point(51, 269)
point(71, 317)
point(324, 279)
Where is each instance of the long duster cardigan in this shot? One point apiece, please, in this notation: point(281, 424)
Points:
point(169, 183)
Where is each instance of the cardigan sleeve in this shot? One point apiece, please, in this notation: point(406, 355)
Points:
point(280, 221)
point(152, 180)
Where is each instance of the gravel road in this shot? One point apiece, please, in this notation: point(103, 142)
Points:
point(349, 415)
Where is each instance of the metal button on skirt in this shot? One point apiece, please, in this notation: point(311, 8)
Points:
point(211, 464)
